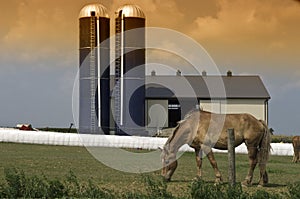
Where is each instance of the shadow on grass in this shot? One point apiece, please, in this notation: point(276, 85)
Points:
point(177, 181)
point(269, 185)
point(272, 185)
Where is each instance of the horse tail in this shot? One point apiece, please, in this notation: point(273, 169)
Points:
point(265, 145)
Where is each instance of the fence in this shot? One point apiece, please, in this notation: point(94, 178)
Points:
point(72, 139)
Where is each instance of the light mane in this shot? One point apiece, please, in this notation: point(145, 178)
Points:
point(186, 117)
point(173, 134)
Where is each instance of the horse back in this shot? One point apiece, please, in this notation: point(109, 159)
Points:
point(296, 142)
point(246, 127)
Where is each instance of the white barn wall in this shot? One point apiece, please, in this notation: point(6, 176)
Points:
point(211, 105)
point(255, 107)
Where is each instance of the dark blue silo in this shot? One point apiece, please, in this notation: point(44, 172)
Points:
point(130, 71)
point(94, 87)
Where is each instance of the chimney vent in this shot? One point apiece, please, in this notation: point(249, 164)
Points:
point(153, 73)
point(204, 73)
point(229, 73)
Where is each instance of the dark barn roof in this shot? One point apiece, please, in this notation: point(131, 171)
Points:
point(235, 87)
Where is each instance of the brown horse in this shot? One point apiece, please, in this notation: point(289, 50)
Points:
point(296, 145)
point(200, 130)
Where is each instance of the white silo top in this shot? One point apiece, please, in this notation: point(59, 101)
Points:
point(100, 11)
point(131, 11)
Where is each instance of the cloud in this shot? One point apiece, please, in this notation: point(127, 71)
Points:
point(249, 31)
point(40, 34)
point(45, 33)
point(242, 18)
point(159, 13)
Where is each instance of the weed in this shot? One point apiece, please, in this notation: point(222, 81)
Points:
point(294, 190)
point(156, 187)
point(264, 194)
point(18, 185)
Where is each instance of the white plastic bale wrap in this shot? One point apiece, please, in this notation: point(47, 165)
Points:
point(282, 149)
point(285, 149)
point(72, 139)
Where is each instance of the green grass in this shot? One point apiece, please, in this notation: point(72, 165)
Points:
point(55, 162)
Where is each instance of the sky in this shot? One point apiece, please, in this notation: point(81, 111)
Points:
point(39, 51)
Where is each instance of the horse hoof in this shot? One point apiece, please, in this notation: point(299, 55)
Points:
point(197, 178)
point(262, 184)
point(245, 184)
point(166, 179)
point(218, 181)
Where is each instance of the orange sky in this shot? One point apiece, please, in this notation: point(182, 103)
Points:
point(246, 36)
point(264, 30)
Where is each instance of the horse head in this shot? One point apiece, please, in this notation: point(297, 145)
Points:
point(169, 163)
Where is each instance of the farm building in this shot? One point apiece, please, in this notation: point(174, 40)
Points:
point(132, 103)
point(164, 108)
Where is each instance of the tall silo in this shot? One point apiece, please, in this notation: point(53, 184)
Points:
point(130, 71)
point(94, 87)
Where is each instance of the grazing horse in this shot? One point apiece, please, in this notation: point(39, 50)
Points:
point(199, 129)
point(296, 145)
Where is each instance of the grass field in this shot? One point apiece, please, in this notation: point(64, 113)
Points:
point(56, 162)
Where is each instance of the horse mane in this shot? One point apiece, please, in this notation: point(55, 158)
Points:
point(190, 113)
point(186, 117)
point(173, 134)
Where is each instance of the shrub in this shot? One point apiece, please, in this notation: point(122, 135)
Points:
point(264, 194)
point(35, 187)
point(18, 185)
point(74, 188)
point(281, 138)
point(294, 190)
point(71, 185)
point(235, 192)
point(56, 189)
point(15, 183)
point(94, 191)
point(201, 189)
point(156, 187)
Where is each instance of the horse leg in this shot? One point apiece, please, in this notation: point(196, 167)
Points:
point(213, 163)
point(252, 154)
point(295, 155)
point(263, 174)
point(265, 179)
point(294, 158)
point(198, 153)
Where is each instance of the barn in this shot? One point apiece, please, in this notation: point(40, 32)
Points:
point(165, 106)
point(130, 103)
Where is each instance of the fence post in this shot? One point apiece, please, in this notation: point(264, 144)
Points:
point(231, 157)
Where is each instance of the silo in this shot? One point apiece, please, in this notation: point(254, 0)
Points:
point(94, 71)
point(130, 71)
